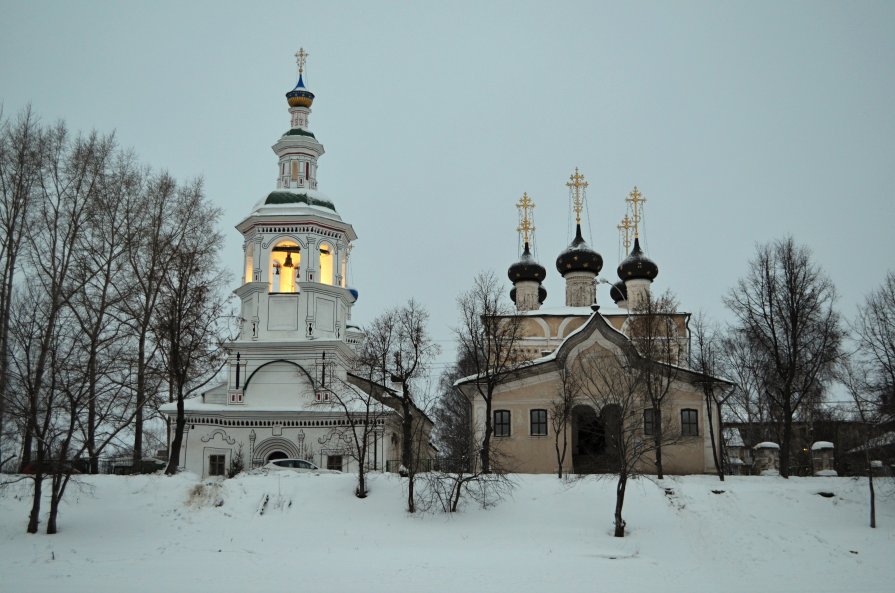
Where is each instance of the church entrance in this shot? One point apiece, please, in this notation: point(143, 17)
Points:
point(276, 455)
point(592, 451)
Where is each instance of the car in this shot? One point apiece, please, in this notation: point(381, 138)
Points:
point(298, 465)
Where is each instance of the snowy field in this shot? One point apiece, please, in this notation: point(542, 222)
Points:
point(152, 533)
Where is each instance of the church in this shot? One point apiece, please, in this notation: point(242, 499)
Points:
point(549, 341)
point(290, 391)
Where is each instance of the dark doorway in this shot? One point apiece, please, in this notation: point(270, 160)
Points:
point(276, 455)
point(594, 450)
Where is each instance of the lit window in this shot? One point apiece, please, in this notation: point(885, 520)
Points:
point(216, 465)
point(649, 422)
point(250, 261)
point(285, 259)
point(501, 423)
point(326, 263)
point(538, 423)
point(689, 423)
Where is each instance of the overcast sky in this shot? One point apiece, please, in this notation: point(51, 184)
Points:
point(740, 122)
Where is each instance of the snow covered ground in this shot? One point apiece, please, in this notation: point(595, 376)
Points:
point(152, 533)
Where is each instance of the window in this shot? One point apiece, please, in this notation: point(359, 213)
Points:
point(326, 263)
point(649, 422)
point(216, 465)
point(285, 259)
point(501, 423)
point(334, 462)
point(538, 423)
point(689, 423)
point(294, 170)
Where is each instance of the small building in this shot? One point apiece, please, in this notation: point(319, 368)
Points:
point(737, 457)
point(822, 459)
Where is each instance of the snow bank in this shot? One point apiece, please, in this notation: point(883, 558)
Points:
point(821, 445)
point(287, 531)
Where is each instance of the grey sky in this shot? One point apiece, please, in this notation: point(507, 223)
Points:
point(739, 121)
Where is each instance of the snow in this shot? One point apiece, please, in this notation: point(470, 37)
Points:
point(733, 438)
point(821, 445)
point(826, 473)
point(156, 533)
point(766, 445)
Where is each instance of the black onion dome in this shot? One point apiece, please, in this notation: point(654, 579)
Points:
point(579, 257)
point(542, 294)
point(619, 292)
point(526, 269)
point(637, 266)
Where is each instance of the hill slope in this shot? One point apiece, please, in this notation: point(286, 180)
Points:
point(306, 532)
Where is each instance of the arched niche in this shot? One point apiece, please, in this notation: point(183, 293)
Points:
point(285, 264)
point(327, 263)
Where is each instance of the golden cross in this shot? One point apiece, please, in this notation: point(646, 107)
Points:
point(625, 227)
point(635, 198)
point(526, 224)
point(300, 56)
point(577, 184)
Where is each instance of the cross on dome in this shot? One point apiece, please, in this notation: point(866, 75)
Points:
point(636, 199)
point(526, 224)
point(577, 184)
point(300, 57)
point(624, 227)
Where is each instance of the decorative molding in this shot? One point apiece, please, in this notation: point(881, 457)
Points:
point(219, 431)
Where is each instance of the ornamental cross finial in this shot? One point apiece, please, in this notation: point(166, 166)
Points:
point(636, 199)
point(300, 56)
point(577, 185)
point(625, 228)
point(526, 222)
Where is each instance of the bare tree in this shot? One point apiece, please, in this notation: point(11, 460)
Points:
point(784, 309)
point(861, 388)
point(706, 359)
point(453, 423)
point(487, 337)
point(875, 330)
point(20, 165)
point(397, 346)
point(654, 331)
point(560, 413)
point(191, 327)
point(150, 224)
point(361, 402)
point(616, 386)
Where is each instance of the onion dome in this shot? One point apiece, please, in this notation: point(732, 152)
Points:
point(300, 96)
point(579, 257)
point(354, 293)
point(637, 266)
point(526, 269)
point(619, 292)
point(542, 294)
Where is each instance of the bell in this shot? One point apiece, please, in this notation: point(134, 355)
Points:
point(288, 262)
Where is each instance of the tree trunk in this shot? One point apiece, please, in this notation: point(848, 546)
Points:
point(787, 436)
point(872, 492)
point(657, 432)
point(361, 491)
point(486, 440)
point(34, 517)
point(406, 434)
point(141, 398)
point(619, 503)
point(411, 503)
point(179, 425)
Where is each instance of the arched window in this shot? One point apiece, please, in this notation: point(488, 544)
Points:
point(326, 263)
point(285, 259)
point(344, 268)
point(294, 170)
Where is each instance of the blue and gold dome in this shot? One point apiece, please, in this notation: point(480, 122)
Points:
point(300, 96)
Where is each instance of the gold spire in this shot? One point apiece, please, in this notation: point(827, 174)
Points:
point(635, 198)
point(526, 222)
point(577, 184)
point(300, 56)
point(625, 227)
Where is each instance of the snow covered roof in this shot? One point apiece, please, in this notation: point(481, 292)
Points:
point(766, 445)
point(821, 445)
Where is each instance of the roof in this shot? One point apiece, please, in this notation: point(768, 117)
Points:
point(733, 438)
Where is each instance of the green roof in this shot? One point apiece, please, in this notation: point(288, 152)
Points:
point(299, 132)
point(285, 197)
